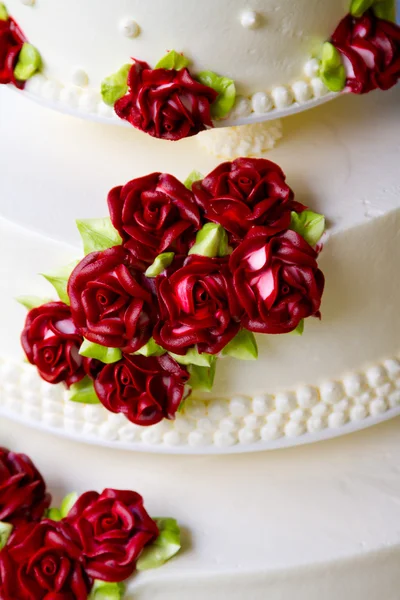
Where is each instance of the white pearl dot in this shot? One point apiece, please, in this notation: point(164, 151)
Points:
point(253, 421)
point(261, 103)
point(275, 419)
point(106, 431)
point(224, 439)
point(129, 433)
point(239, 406)
point(250, 19)
point(354, 384)
point(195, 408)
point(307, 397)
point(315, 424)
point(228, 425)
point(285, 403)
point(282, 97)
point(79, 77)
point(358, 412)
point(271, 432)
point(294, 429)
point(311, 68)
point(302, 91)
point(319, 410)
point(248, 436)
point(184, 425)
point(392, 366)
point(70, 95)
point(242, 108)
point(198, 439)
point(376, 376)
point(331, 392)
point(378, 407)
point(11, 372)
point(151, 436)
point(394, 399)
point(218, 409)
point(319, 88)
point(172, 438)
point(336, 420)
point(262, 405)
point(129, 28)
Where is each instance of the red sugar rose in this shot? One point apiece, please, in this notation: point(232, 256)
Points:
point(113, 529)
point(277, 281)
point(42, 561)
point(11, 41)
point(145, 389)
point(51, 342)
point(245, 193)
point(111, 301)
point(198, 306)
point(23, 495)
point(371, 50)
point(154, 214)
point(166, 103)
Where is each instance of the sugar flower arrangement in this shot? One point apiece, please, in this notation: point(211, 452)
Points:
point(178, 276)
point(84, 550)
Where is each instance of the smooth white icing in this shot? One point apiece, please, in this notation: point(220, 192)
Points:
point(69, 32)
point(306, 523)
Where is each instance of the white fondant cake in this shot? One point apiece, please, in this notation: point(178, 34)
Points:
point(270, 50)
point(310, 523)
point(343, 372)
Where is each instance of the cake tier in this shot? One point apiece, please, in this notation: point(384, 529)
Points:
point(308, 523)
point(264, 48)
point(342, 370)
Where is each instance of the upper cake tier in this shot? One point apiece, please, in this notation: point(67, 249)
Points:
point(173, 69)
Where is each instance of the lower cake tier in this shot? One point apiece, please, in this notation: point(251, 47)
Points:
point(307, 523)
point(343, 373)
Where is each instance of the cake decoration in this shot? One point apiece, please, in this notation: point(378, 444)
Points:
point(364, 51)
point(167, 102)
point(178, 276)
point(83, 550)
point(19, 60)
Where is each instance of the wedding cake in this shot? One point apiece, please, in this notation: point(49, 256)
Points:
point(200, 306)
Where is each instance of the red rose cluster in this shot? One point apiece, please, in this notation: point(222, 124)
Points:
point(370, 48)
point(166, 103)
point(100, 538)
point(11, 41)
point(266, 281)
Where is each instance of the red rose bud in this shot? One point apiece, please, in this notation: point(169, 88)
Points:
point(154, 214)
point(111, 301)
point(43, 561)
point(277, 281)
point(23, 495)
point(113, 529)
point(245, 193)
point(370, 48)
point(51, 342)
point(11, 41)
point(198, 307)
point(166, 103)
point(145, 389)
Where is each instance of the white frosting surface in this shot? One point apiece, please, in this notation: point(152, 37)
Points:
point(310, 523)
point(225, 37)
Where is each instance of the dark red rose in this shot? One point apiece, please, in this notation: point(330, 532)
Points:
point(11, 41)
point(371, 50)
point(154, 214)
point(113, 528)
point(111, 301)
point(245, 193)
point(198, 306)
point(166, 103)
point(277, 281)
point(42, 561)
point(23, 495)
point(51, 342)
point(145, 389)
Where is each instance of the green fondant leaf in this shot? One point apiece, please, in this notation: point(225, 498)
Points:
point(163, 548)
point(102, 353)
point(83, 392)
point(211, 241)
point(299, 329)
point(193, 357)
point(385, 9)
point(309, 225)
point(3, 12)
point(104, 590)
point(359, 7)
point(59, 280)
point(243, 346)
point(98, 234)
point(173, 60)
point(68, 503)
point(32, 301)
point(151, 349)
point(115, 86)
point(226, 92)
point(5, 532)
point(54, 514)
point(192, 178)
point(202, 378)
point(29, 61)
point(332, 71)
point(161, 262)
